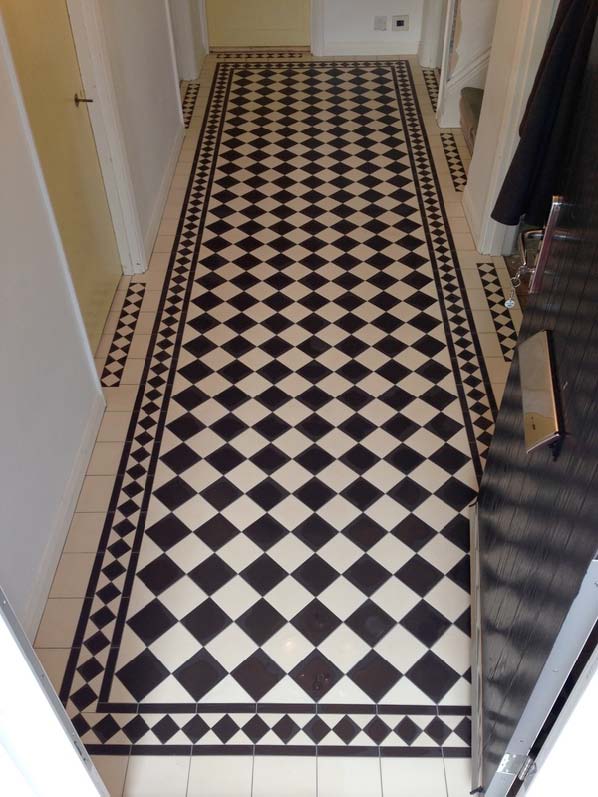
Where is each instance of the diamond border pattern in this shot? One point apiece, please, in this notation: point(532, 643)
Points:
point(121, 342)
point(455, 162)
point(501, 316)
point(100, 629)
point(189, 101)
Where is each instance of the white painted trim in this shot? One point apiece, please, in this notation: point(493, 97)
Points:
point(491, 237)
point(433, 25)
point(403, 47)
point(175, 69)
point(96, 75)
point(317, 27)
point(162, 195)
point(203, 19)
point(58, 526)
point(473, 74)
point(58, 529)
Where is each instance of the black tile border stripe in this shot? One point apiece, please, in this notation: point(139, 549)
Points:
point(123, 336)
point(501, 316)
point(454, 160)
point(210, 134)
point(189, 101)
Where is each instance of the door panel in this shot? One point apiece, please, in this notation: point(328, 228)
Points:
point(538, 516)
point(44, 53)
point(258, 23)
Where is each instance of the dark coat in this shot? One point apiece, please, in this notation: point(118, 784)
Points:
point(537, 168)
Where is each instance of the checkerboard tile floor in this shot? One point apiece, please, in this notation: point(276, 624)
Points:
point(279, 508)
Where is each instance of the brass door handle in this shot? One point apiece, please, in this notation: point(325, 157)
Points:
point(79, 100)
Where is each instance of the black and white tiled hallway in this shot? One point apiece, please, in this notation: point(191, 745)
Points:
point(281, 568)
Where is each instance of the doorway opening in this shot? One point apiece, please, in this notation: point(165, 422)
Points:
point(261, 25)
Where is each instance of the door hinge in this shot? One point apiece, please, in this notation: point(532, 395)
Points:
point(517, 765)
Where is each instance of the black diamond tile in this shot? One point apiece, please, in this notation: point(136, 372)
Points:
point(374, 675)
point(316, 729)
point(228, 427)
point(346, 729)
point(225, 458)
point(357, 427)
point(407, 730)
point(221, 493)
point(425, 623)
point(142, 674)
point(225, 728)
point(263, 574)
point(261, 621)
point(216, 532)
point(174, 493)
point(258, 674)
point(315, 574)
point(362, 494)
point(314, 494)
point(377, 730)
point(433, 676)
point(186, 426)
point(367, 575)
point(364, 532)
point(180, 458)
point(359, 458)
point(195, 729)
point(165, 729)
point(316, 622)
point(443, 426)
point(419, 575)
point(405, 458)
point(449, 458)
point(315, 532)
point(152, 621)
point(106, 728)
point(206, 621)
point(438, 731)
point(286, 729)
point(267, 494)
point(270, 459)
point(199, 674)
point(409, 494)
point(370, 622)
point(314, 459)
point(414, 532)
point(456, 494)
point(136, 728)
point(256, 728)
point(160, 574)
point(316, 675)
point(211, 574)
point(265, 532)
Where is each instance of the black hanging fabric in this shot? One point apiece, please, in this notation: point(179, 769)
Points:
point(535, 172)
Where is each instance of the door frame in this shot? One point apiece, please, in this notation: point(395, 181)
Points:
point(96, 77)
point(483, 186)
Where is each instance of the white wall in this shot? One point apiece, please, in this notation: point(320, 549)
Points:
point(50, 401)
point(347, 27)
point(141, 52)
point(521, 31)
point(188, 37)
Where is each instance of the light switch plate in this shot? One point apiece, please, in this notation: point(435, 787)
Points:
point(380, 23)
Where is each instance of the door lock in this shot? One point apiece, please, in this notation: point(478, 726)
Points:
point(546, 236)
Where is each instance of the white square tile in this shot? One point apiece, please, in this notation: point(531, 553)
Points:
point(349, 777)
point(220, 776)
point(414, 777)
point(157, 776)
point(297, 774)
point(458, 776)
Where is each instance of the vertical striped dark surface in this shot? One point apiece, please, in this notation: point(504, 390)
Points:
point(539, 517)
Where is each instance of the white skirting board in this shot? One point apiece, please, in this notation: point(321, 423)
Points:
point(152, 228)
point(58, 529)
point(406, 47)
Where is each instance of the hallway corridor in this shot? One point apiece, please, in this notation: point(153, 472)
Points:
point(269, 558)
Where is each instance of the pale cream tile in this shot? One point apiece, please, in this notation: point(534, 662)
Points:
point(72, 575)
point(298, 774)
point(114, 427)
point(120, 399)
point(349, 777)
point(139, 345)
point(157, 776)
point(112, 769)
point(133, 371)
point(168, 226)
point(104, 346)
point(111, 323)
point(164, 242)
point(95, 493)
point(85, 532)
point(498, 369)
point(150, 301)
point(413, 777)
point(490, 344)
point(58, 624)
point(145, 323)
point(483, 321)
point(464, 241)
point(498, 389)
point(105, 459)
point(454, 210)
point(220, 776)
point(458, 776)
point(54, 661)
point(459, 225)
